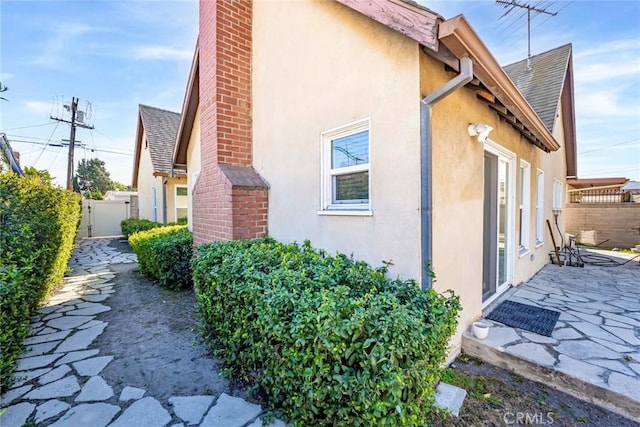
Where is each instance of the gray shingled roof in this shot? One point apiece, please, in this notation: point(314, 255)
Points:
point(542, 84)
point(161, 127)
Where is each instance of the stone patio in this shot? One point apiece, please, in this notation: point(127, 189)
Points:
point(594, 350)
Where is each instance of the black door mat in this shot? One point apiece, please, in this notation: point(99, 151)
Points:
point(527, 317)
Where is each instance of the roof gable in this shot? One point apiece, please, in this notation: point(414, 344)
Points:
point(542, 82)
point(160, 127)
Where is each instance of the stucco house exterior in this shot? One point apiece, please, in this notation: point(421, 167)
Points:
point(379, 129)
point(162, 192)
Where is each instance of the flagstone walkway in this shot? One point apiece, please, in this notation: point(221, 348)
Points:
point(594, 349)
point(58, 380)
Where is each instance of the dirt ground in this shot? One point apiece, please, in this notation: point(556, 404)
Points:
point(152, 334)
point(496, 397)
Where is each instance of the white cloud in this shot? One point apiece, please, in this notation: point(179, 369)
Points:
point(5, 76)
point(610, 47)
point(605, 103)
point(160, 53)
point(60, 42)
point(38, 107)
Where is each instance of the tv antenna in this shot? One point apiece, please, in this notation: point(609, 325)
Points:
point(510, 5)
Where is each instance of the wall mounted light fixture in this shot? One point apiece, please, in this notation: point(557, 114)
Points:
point(480, 130)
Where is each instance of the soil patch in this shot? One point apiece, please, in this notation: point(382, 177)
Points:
point(152, 335)
point(496, 397)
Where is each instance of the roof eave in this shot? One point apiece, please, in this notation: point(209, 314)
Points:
point(410, 19)
point(189, 108)
point(136, 158)
point(460, 38)
point(569, 118)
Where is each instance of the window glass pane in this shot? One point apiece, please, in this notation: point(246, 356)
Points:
point(350, 150)
point(351, 188)
point(181, 214)
point(181, 191)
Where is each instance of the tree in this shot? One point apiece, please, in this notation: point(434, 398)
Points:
point(43, 175)
point(115, 185)
point(92, 178)
point(3, 89)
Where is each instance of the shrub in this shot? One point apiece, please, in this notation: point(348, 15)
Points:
point(328, 340)
point(38, 225)
point(164, 253)
point(130, 226)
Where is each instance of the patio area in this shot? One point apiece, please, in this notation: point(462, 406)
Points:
point(594, 350)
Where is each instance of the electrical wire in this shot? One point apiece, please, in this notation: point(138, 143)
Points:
point(29, 127)
point(46, 145)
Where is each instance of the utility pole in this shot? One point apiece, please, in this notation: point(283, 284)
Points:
point(513, 4)
point(76, 121)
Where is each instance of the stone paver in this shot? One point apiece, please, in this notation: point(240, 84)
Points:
point(191, 409)
point(59, 352)
point(49, 409)
point(146, 412)
point(62, 388)
point(88, 414)
point(93, 366)
point(16, 415)
point(230, 412)
point(131, 393)
point(597, 337)
point(96, 389)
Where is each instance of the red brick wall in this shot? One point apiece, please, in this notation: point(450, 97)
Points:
point(222, 209)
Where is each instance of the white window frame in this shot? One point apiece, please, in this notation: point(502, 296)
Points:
point(524, 204)
point(540, 208)
point(558, 194)
point(327, 206)
point(176, 201)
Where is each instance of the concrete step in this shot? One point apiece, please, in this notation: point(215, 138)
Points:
point(577, 384)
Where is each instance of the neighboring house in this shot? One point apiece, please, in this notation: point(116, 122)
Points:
point(162, 192)
point(598, 190)
point(378, 129)
point(9, 160)
point(119, 195)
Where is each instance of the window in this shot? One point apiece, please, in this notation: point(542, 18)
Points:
point(558, 189)
point(182, 203)
point(345, 169)
point(525, 206)
point(540, 209)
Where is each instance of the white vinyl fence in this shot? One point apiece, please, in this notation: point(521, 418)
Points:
point(102, 217)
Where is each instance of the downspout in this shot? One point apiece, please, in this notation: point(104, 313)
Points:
point(426, 140)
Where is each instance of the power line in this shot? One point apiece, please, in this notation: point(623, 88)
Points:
point(610, 146)
point(32, 126)
point(45, 147)
point(102, 150)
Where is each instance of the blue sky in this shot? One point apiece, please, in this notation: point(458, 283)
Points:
point(120, 54)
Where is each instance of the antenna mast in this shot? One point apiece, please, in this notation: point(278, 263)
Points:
point(510, 5)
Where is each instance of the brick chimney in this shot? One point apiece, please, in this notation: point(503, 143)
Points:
point(230, 199)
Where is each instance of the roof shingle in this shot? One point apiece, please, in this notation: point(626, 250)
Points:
point(161, 127)
point(542, 84)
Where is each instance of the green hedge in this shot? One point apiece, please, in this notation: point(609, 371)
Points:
point(131, 226)
point(38, 224)
point(328, 340)
point(164, 253)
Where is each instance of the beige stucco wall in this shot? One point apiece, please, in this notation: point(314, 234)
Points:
point(340, 67)
point(164, 186)
point(193, 164)
point(318, 66)
point(170, 188)
point(146, 183)
point(458, 175)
